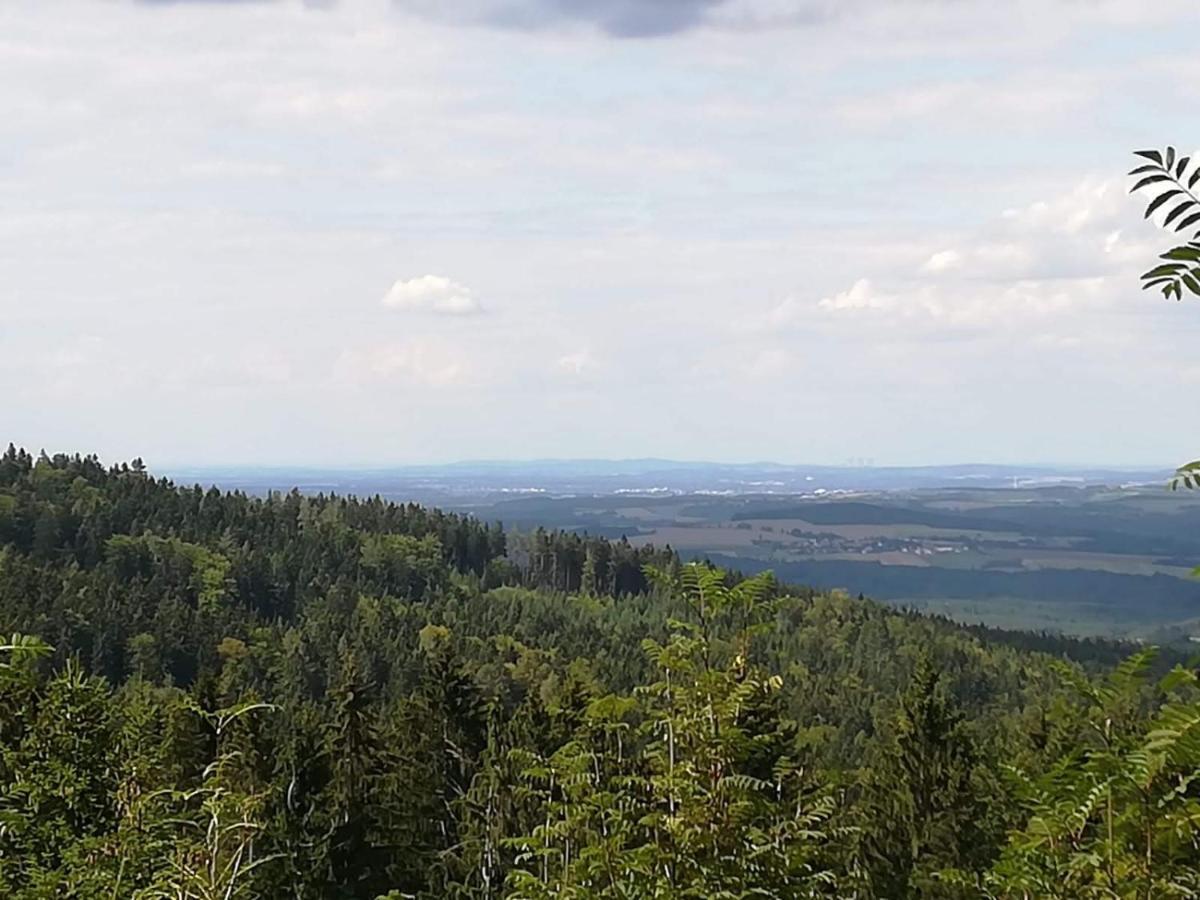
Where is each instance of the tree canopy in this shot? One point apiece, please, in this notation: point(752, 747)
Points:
point(215, 695)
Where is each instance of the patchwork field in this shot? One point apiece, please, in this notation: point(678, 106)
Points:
point(1080, 560)
point(1026, 548)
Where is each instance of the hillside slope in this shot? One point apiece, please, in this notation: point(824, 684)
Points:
point(368, 697)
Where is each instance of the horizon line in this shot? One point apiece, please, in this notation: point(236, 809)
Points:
point(644, 460)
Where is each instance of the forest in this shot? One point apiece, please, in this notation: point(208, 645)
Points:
point(212, 695)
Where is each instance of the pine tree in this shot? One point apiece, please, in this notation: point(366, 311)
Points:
point(922, 809)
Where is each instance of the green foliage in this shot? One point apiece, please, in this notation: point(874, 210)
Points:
point(405, 566)
point(683, 789)
point(1118, 815)
point(19, 651)
point(209, 833)
point(204, 573)
point(337, 698)
point(1188, 476)
point(927, 800)
point(59, 780)
point(1172, 180)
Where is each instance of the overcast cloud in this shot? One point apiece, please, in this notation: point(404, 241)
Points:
point(376, 232)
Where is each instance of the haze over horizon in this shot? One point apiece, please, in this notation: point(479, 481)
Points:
point(325, 233)
point(647, 462)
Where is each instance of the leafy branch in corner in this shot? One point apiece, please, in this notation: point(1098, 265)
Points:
point(1167, 176)
point(1188, 476)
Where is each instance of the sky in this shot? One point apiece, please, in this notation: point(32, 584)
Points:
point(373, 232)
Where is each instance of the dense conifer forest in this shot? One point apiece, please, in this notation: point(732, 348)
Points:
point(212, 695)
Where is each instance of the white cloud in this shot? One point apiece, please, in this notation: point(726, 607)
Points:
point(1022, 102)
point(418, 361)
point(1075, 234)
point(861, 295)
point(269, 366)
point(1047, 273)
point(770, 362)
point(233, 168)
point(432, 293)
point(925, 311)
point(75, 354)
point(158, 180)
point(942, 260)
point(577, 363)
point(794, 311)
point(1092, 202)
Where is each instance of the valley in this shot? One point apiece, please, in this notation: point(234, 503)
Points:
point(1083, 552)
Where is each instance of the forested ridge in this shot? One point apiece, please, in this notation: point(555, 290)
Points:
point(208, 694)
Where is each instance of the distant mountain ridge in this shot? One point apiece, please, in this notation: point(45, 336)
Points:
point(473, 478)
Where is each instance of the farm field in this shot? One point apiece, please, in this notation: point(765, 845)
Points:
point(1093, 552)
point(1081, 560)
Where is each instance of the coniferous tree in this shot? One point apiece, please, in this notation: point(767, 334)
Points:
point(923, 808)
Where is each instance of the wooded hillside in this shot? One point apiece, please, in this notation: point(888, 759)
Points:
point(209, 694)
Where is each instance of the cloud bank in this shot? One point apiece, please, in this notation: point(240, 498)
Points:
point(284, 230)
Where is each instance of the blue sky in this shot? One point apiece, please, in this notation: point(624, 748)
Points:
point(389, 232)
